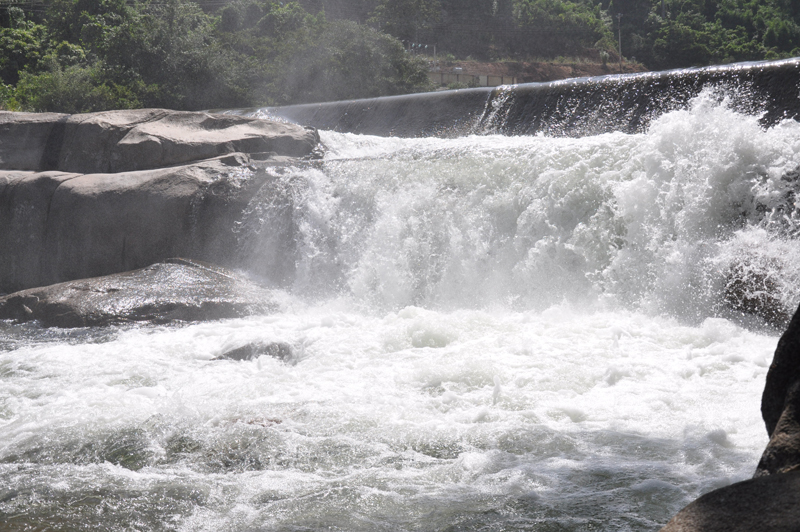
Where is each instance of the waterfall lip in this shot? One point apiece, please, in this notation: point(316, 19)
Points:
point(278, 111)
point(584, 106)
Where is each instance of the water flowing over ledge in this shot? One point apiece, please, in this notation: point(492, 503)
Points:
point(574, 107)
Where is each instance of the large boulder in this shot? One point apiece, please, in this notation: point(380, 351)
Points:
point(765, 504)
point(94, 194)
point(57, 226)
point(139, 139)
point(25, 138)
point(169, 291)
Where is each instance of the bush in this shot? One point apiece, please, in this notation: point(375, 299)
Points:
point(7, 100)
point(75, 89)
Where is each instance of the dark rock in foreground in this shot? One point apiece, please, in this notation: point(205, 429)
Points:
point(780, 405)
point(170, 291)
point(771, 501)
point(769, 504)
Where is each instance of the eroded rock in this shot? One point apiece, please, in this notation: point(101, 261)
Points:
point(139, 139)
point(57, 226)
point(169, 291)
point(99, 193)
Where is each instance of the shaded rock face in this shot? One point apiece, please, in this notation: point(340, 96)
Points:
point(139, 139)
point(89, 195)
point(57, 226)
point(170, 291)
point(780, 405)
point(771, 500)
point(761, 504)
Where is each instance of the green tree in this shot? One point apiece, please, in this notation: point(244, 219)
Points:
point(352, 61)
point(559, 27)
point(408, 20)
point(75, 89)
point(22, 45)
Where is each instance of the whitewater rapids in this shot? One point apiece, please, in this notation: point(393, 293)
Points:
point(488, 333)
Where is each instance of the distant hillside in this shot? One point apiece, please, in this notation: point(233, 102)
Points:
point(660, 34)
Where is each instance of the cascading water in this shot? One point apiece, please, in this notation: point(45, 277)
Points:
point(667, 222)
point(487, 333)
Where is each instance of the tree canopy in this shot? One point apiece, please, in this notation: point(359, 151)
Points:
point(90, 55)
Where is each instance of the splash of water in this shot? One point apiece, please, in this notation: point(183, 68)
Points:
point(657, 221)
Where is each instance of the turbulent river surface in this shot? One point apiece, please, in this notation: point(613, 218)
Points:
point(488, 333)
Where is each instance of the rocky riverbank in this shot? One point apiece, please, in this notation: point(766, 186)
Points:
point(90, 195)
point(92, 205)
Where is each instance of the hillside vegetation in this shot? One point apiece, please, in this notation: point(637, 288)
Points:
point(89, 55)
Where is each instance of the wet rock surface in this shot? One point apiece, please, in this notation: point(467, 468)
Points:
point(58, 226)
point(171, 291)
point(780, 405)
point(280, 350)
point(752, 287)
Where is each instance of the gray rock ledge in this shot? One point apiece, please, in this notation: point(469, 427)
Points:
point(139, 139)
point(94, 194)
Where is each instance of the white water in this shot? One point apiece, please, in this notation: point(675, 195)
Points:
point(489, 333)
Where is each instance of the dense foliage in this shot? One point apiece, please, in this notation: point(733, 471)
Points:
point(85, 55)
point(88, 55)
point(659, 33)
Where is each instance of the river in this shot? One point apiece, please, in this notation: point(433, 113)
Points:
point(487, 333)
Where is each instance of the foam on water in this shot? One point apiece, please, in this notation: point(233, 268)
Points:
point(487, 333)
point(415, 419)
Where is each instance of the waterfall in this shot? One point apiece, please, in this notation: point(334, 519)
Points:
point(574, 107)
point(693, 218)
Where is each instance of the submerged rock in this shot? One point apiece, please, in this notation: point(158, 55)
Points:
point(752, 287)
point(169, 291)
point(280, 350)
